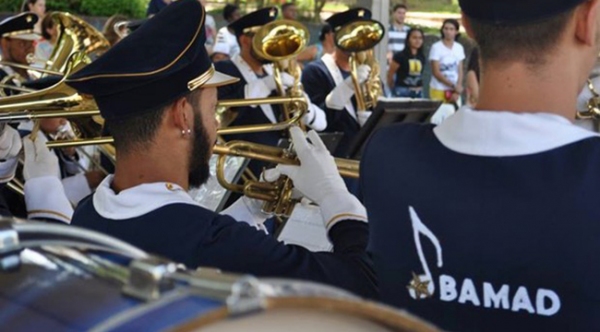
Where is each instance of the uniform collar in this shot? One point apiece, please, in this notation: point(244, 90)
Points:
point(504, 134)
point(137, 201)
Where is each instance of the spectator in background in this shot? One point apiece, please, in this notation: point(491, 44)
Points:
point(210, 26)
point(446, 57)
point(289, 11)
point(231, 13)
point(44, 48)
point(154, 6)
point(473, 78)
point(326, 43)
point(37, 7)
point(407, 67)
point(110, 29)
point(397, 31)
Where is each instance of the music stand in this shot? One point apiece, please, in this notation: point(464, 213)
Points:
point(389, 111)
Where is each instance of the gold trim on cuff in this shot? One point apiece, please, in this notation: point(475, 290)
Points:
point(351, 216)
point(58, 214)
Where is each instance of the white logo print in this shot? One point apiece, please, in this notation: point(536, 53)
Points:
point(422, 286)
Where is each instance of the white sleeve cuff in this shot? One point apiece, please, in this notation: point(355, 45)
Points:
point(45, 198)
point(241, 212)
point(316, 118)
point(76, 188)
point(8, 169)
point(342, 206)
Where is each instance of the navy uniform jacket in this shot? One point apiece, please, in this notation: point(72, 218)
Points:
point(246, 115)
point(318, 83)
point(494, 215)
point(195, 236)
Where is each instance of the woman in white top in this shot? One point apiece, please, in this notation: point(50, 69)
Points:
point(446, 57)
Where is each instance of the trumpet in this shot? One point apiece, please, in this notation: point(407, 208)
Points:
point(592, 106)
point(359, 38)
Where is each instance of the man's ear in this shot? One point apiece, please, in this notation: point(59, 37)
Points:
point(586, 22)
point(181, 114)
point(467, 24)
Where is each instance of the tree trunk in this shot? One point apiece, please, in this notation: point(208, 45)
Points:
point(318, 8)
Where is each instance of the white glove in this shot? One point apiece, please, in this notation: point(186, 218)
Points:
point(263, 87)
point(362, 73)
point(314, 117)
point(39, 160)
point(363, 116)
point(341, 94)
point(318, 179)
point(10, 143)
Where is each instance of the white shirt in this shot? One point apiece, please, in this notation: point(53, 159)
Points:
point(227, 38)
point(449, 60)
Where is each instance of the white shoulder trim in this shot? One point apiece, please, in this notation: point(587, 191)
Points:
point(504, 134)
point(137, 201)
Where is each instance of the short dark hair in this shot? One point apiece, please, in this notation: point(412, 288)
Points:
point(286, 5)
point(396, 7)
point(228, 11)
point(324, 31)
point(453, 22)
point(47, 23)
point(530, 42)
point(136, 132)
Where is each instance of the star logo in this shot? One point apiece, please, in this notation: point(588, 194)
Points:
point(361, 13)
point(272, 13)
point(420, 288)
point(29, 18)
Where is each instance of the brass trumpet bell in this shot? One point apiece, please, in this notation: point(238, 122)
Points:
point(280, 40)
point(359, 36)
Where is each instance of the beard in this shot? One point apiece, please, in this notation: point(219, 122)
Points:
point(199, 155)
point(259, 58)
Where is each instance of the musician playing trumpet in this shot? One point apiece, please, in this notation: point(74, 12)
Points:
point(16, 42)
point(161, 112)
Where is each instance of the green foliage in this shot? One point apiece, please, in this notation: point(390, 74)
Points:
point(10, 5)
point(130, 8)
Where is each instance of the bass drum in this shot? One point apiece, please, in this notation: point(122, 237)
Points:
point(62, 278)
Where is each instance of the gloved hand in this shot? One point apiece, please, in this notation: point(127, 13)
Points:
point(362, 73)
point(263, 87)
point(363, 116)
point(39, 160)
point(341, 94)
point(315, 117)
point(318, 179)
point(10, 143)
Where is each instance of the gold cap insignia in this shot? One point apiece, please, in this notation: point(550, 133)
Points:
point(361, 13)
point(29, 18)
point(272, 13)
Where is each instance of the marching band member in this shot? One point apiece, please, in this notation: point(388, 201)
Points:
point(257, 81)
point(161, 112)
point(485, 221)
point(328, 83)
point(16, 42)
